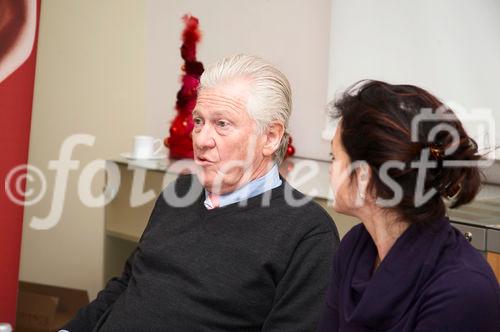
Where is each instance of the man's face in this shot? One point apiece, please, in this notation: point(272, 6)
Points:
point(225, 142)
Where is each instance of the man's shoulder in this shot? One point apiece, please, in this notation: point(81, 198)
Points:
point(182, 192)
point(185, 182)
point(302, 210)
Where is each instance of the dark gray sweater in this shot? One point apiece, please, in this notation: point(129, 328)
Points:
point(234, 268)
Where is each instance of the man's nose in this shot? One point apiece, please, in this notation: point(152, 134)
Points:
point(204, 139)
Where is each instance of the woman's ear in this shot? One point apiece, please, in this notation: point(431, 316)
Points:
point(273, 136)
point(363, 177)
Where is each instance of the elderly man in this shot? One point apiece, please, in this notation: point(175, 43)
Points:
point(241, 255)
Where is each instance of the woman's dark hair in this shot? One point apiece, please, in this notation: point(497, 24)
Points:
point(377, 120)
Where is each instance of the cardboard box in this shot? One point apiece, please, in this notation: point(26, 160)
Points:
point(43, 308)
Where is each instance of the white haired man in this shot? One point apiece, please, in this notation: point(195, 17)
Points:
point(239, 256)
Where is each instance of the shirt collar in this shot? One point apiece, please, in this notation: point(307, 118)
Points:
point(253, 188)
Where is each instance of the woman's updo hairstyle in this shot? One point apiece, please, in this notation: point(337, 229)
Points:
point(376, 120)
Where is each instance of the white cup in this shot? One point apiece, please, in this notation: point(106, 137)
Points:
point(144, 147)
point(5, 327)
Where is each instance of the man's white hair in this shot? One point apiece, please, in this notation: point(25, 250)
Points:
point(270, 93)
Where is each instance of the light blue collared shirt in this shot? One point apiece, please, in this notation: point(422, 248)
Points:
point(253, 188)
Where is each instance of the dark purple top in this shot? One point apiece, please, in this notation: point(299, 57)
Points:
point(432, 279)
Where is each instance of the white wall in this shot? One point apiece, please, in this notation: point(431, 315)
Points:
point(293, 34)
point(451, 47)
point(90, 78)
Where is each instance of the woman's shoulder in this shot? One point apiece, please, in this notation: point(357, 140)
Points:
point(462, 261)
point(459, 266)
point(348, 244)
point(351, 238)
point(465, 281)
point(464, 299)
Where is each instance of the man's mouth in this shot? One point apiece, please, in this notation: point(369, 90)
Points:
point(202, 161)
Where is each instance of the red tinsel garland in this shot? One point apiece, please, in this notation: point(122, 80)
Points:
point(180, 143)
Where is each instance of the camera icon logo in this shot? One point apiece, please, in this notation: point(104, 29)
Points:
point(479, 123)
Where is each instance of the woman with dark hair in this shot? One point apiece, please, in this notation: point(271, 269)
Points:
point(405, 268)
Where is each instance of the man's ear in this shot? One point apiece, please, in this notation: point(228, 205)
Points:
point(273, 135)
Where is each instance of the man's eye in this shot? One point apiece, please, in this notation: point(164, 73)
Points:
point(197, 121)
point(222, 123)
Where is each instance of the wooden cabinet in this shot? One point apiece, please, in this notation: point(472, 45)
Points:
point(479, 222)
point(493, 248)
point(494, 260)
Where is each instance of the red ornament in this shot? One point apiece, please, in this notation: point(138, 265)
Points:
point(180, 143)
point(290, 151)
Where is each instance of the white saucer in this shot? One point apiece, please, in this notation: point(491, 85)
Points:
point(129, 155)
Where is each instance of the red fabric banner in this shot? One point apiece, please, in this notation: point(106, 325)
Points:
point(18, 39)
